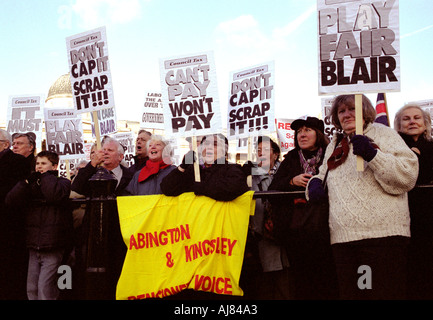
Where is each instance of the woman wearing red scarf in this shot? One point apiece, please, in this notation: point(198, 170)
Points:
point(147, 181)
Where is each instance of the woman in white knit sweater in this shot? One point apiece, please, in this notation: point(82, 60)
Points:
point(368, 210)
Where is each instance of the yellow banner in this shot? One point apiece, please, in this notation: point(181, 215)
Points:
point(182, 242)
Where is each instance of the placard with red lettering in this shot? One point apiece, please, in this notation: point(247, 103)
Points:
point(359, 46)
point(285, 134)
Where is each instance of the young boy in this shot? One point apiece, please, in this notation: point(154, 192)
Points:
point(48, 224)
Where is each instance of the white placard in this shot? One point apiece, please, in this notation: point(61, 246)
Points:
point(359, 46)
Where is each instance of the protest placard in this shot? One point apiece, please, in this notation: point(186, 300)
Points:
point(190, 95)
point(153, 114)
point(127, 140)
point(251, 108)
point(359, 46)
point(107, 122)
point(176, 243)
point(326, 115)
point(285, 134)
point(89, 70)
point(67, 167)
point(64, 131)
point(25, 114)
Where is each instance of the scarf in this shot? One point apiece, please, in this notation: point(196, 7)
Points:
point(340, 153)
point(310, 165)
point(151, 167)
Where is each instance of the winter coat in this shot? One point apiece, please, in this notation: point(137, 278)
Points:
point(287, 209)
point(272, 256)
point(425, 159)
point(81, 181)
point(138, 164)
point(149, 186)
point(221, 181)
point(13, 168)
point(48, 214)
point(290, 167)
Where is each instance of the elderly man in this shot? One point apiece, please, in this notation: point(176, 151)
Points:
point(13, 168)
point(109, 157)
point(25, 145)
point(140, 157)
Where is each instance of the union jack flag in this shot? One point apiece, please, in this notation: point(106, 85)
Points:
point(381, 110)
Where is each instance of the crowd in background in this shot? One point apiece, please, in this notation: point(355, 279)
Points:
point(376, 217)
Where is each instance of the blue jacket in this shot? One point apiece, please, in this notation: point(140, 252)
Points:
point(149, 186)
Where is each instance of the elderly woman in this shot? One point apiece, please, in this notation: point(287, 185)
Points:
point(310, 257)
point(219, 179)
point(414, 126)
point(368, 211)
point(147, 181)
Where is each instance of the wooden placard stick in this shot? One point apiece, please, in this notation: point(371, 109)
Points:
point(196, 161)
point(97, 132)
point(68, 169)
point(249, 158)
point(359, 128)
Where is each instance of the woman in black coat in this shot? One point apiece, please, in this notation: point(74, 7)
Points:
point(414, 126)
point(219, 179)
point(310, 256)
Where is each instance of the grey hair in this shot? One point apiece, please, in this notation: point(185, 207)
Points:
point(4, 135)
point(425, 114)
point(120, 149)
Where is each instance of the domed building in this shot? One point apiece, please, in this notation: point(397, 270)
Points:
point(60, 96)
point(60, 93)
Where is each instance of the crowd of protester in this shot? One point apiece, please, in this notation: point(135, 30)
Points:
point(377, 218)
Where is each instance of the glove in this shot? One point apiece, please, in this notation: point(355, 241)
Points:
point(198, 188)
point(33, 177)
point(188, 159)
point(362, 147)
point(316, 192)
point(248, 167)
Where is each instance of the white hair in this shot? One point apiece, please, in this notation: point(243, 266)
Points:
point(167, 153)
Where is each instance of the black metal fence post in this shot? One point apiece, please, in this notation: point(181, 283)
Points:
point(102, 185)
